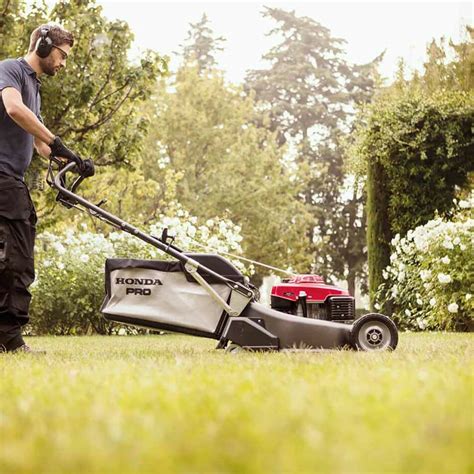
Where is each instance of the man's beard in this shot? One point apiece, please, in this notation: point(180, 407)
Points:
point(48, 68)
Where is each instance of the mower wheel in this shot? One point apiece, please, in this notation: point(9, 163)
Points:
point(374, 332)
point(234, 349)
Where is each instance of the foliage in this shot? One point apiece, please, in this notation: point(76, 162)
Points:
point(429, 147)
point(448, 67)
point(129, 194)
point(309, 91)
point(95, 104)
point(129, 404)
point(418, 150)
point(15, 25)
point(204, 132)
point(430, 279)
point(68, 291)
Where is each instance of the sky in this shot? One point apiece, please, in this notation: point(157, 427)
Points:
point(402, 29)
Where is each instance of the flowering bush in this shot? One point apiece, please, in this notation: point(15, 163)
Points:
point(69, 286)
point(430, 280)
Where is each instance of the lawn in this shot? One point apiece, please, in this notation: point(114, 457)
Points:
point(173, 404)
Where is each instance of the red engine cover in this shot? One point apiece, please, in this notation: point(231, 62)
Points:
point(312, 285)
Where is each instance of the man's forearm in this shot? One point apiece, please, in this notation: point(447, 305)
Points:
point(27, 120)
point(42, 148)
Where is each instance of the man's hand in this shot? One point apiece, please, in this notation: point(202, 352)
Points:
point(62, 151)
point(87, 169)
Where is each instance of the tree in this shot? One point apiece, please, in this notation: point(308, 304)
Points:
point(227, 167)
point(201, 46)
point(95, 105)
point(441, 72)
point(463, 65)
point(14, 30)
point(310, 91)
point(415, 142)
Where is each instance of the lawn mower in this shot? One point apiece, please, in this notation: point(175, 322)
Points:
point(204, 294)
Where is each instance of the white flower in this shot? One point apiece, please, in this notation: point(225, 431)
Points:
point(444, 278)
point(453, 308)
point(464, 204)
point(61, 265)
point(419, 301)
point(47, 263)
point(462, 247)
point(447, 244)
point(432, 301)
point(421, 323)
point(408, 312)
point(401, 277)
point(84, 258)
point(446, 260)
point(468, 296)
point(59, 247)
point(457, 241)
point(421, 241)
point(377, 306)
point(425, 274)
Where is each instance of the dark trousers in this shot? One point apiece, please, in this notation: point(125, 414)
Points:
point(17, 239)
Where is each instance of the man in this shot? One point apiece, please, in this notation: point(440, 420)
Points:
point(21, 128)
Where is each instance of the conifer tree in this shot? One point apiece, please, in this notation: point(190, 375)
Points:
point(201, 45)
point(310, 92)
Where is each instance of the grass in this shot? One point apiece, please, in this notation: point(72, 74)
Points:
point(173, 404)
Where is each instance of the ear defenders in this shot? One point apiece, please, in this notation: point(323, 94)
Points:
point(44, 45)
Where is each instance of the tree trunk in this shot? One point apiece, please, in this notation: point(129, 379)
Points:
point(379, 234)
point(351, 283)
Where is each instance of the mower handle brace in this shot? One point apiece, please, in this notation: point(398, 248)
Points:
point(240, 295)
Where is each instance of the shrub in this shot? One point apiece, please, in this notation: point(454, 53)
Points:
point(418, 150)
point(69, 288)
point(430, 279)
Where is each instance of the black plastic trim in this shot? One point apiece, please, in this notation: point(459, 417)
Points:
point(250, 334)
point(154, 325)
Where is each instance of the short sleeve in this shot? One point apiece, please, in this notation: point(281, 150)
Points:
point(10, 75)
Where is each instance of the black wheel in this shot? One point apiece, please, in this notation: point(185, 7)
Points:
point(234, 349)
point(374, 332)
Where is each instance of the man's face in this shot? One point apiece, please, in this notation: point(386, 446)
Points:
point(56, 59)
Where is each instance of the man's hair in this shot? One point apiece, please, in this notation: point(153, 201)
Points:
point(57, 34)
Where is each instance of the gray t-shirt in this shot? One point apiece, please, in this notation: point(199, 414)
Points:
point(16, 145)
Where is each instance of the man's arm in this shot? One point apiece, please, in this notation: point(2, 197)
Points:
point(41, 148)
point(45, 141)
point(24, 117)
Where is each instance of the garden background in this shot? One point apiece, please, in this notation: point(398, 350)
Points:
point(312, 164)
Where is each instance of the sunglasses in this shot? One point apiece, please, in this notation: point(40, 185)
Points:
point(63, 53)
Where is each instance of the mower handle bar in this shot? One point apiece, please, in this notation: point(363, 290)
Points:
point(191, 265)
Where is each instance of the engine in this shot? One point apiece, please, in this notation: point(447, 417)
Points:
point(308, 296)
